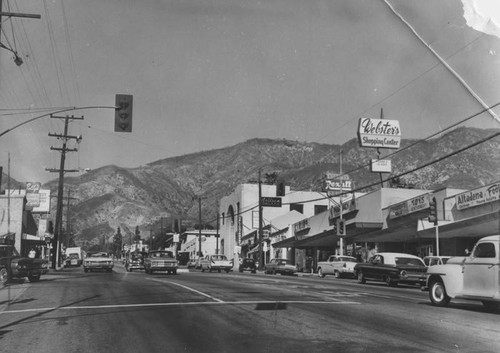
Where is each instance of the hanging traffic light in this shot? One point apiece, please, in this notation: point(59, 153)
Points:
point(123, 113)
point(433, 211)
point(340, 227)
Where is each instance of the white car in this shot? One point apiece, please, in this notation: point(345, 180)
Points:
point(98, 261)
point(474, 277)
point(216, 263)
point(337, 265)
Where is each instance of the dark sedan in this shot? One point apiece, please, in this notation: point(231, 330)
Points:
point(392, 268)
point(247, 264)
point(280, 266)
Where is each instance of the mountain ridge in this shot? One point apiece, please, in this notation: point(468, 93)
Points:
point(111, 196)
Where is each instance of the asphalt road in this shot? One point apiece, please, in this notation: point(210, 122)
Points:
point(73, 311)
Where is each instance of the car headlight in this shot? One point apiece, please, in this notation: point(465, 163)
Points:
point(403, 274)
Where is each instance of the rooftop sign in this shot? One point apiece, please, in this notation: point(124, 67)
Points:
point(379, 133)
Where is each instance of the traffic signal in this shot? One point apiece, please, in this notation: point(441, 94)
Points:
point(123, 113)
point(340, 227)
point(433, 211)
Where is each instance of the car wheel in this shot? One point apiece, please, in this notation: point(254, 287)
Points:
point(34, 278)
point(4, 276)
point(337, 274)
point(227, 271)
point(274, 272)
point(202, 269)
point(174, 272)
point(219, 270)
point(320, 273)
point(85, 270)
point(390, 282)
point(437, 294)
point(491, 305)
point(361, 277)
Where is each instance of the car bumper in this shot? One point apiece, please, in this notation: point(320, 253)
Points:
point(97, 266)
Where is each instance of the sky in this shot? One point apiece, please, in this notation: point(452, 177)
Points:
point(208, 74)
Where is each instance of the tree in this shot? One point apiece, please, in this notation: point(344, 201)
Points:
point(137, 236)
point(117, 243)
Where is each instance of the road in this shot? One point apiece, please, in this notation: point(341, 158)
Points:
point(72, 311)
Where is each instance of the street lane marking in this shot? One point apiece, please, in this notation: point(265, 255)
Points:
point(189, 288)
point(118, 306)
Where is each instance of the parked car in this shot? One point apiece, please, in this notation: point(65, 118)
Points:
point(281, 266)
point(392, 268)
point(192, 263)
point(161, 260)
point(99, 261)
point(135, 261)
point(436, 260)
point(337, 265)
point(247, 264)
point(474, 277)
point(13, 265)
point(216, 263)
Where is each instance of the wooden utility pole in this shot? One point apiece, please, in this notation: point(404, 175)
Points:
point(56, 261)
point(17, 59)
point(261, 258)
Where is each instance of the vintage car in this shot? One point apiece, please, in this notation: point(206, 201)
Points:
point(392, 268)
point(474, 277)
point(280, 266)
point(135, 261)
point(337, 265)
point(161, 260)
point(216, 263)
point(435, 260)
point(13, 265)
point(247, 264)
point(98, 261)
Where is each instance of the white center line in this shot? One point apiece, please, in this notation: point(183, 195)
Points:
point(189, 288)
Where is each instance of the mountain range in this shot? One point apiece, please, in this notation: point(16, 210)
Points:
point(153, 195)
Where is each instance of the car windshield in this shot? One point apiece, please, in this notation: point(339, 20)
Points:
point(219, 257)
point(168, 254)
point(408, 261)
point(98, 254)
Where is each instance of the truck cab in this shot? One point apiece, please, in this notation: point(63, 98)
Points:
point(474, 277)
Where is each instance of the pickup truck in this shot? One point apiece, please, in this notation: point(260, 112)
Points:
point(337, 265)
point(13, 265)
point(474, 277)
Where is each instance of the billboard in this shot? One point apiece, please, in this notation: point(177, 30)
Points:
point(379, 133)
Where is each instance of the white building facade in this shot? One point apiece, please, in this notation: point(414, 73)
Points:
point(240, 212)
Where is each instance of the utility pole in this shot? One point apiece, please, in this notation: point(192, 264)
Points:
point(17, 59)
point(56, 261)
point(261, 260)
point(199, 226)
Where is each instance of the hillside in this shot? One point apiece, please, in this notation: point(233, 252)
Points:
point(112, 197)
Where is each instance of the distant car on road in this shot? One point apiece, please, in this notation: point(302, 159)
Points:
point(280, 266)
point(216, 263)
point(337, 265)
point(436, 260)
point(135, 261)
point(392, 268)
point(161, 260)
point(98, 261)
point(247, 264)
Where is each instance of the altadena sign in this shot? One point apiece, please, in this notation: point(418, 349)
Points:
point(379, 133)
point(478, 196)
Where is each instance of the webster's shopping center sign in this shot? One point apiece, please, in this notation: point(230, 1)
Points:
point(379, 133)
